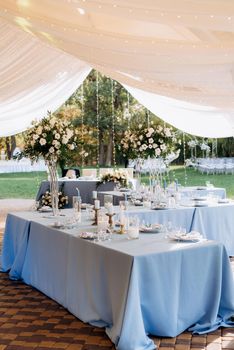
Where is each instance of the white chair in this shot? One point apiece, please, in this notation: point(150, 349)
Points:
point(129, 171)
point(103, 171)
point(89, 172)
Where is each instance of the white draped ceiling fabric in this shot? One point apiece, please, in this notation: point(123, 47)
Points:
point(175, 56)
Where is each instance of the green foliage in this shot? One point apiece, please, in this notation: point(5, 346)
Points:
point(106, 127)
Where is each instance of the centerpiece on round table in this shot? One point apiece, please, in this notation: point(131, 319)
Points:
point(50, 139)
point(154, 142)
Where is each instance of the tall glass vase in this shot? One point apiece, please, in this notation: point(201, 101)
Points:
point(52, 167)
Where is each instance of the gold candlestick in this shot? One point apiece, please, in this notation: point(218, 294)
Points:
point(96, 216)
point(110, 217)
point(121, 231)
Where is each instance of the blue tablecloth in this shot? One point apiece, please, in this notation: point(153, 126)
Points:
point(133, 288)
point(217, 223)
point(179, 218)
point(200, 191)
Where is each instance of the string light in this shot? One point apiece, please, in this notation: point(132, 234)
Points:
point(97, 117)
point(184, 154)
point(128, 109)
point(113, 122)
point(82, 124)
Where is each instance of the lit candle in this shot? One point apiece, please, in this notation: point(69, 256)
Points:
point(94, 194)
point(110, 209)
point(97, 204)
point(121, 218)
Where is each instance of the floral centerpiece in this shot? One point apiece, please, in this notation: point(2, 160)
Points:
point(118, 176)
point(149, 142)
point(50, 139)
point(46, 199)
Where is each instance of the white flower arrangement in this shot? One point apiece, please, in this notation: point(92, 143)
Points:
point(117, 176)
point(192, 143)
point(205, 147)
point(49, 138)
point(46, 200)
point(151, 141)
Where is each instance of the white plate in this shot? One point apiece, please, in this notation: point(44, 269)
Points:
point(185, 237)
point(199, 198)
point(45, 209)
point(201, 205)
point(60, 226)
point(90, 236)
point(150, 230)
point(160, 208)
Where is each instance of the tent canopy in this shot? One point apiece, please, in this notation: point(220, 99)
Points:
point(175, 56)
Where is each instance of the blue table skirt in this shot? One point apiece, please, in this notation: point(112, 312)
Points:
point(133, 288)
point(216, 223)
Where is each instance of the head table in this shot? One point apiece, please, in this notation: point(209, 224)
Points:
point(132, 287)
point(85, 187)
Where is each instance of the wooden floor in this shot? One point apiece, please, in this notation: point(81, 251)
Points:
point(31, 321)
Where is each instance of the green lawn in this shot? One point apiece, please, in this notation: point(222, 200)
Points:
point(190, 177)
point(20, 185)
point(25, 185)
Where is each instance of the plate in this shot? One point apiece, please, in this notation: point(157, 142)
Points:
point(223, 201)
point(160, 208)
point(124, 190)
point(201, 205)
point(152, 229)
point(199, 198)
point(185, 237)
point(138, 204)
point(90, 236)
point(45, 209)
point(60, 226)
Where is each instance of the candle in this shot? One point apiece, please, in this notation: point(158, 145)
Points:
point(97, 204)
point(121, 218)
point(110, 209)
point(94, 194)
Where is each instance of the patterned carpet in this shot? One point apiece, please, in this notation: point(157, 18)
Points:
point(31, 321)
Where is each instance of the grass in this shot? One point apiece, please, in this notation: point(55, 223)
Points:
point(191, 177)
point(25, 185)
point(20, 185)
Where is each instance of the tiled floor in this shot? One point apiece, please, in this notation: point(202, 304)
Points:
point(31, 321)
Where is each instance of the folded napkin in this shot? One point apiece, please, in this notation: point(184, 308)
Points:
point(88, 235)
point(192, 236)
point(154, 228)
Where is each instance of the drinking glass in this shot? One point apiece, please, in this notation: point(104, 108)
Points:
point(108, 200)
point(76, 203)
point(133, 228)
point(123, 205)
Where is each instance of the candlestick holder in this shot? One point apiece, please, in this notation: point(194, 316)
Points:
point(96, 216)
point(110, 219)
point(121, 230)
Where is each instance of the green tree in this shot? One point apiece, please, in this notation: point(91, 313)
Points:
point(108, 110)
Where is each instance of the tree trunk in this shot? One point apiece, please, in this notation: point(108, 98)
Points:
point(101, 150)
point(8, 148)
point(13, 144)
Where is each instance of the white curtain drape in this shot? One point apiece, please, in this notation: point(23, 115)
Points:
point(190, 118)
point(176, 49)
point(33, 79)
